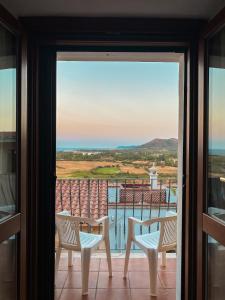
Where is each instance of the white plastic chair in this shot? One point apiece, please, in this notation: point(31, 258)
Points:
point(72, 239)
point(165, 239)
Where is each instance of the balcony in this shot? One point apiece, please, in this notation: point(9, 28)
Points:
point(101, 287)
point(119, 199)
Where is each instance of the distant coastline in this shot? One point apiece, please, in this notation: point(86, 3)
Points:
point(66, 149)
point(170, 144)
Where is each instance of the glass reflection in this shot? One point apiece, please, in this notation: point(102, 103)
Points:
point(216, 127)
point(216, 267)
point(8, 287)
point(7, 124)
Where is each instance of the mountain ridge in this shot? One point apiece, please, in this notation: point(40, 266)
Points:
point(155, 144)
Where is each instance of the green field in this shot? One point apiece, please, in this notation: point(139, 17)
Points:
point(118, 163)
point(104, 173)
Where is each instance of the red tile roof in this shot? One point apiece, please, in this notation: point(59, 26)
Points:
point(85, 198)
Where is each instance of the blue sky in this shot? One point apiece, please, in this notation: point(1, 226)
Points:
point(106, 104)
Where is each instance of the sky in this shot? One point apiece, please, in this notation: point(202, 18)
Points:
point(7, 100)
point(109, 104)
point(216, 108)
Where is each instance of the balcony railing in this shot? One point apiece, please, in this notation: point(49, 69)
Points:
point(119, 199)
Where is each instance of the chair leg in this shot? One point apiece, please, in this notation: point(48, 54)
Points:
point(70, 258)
point(153, 269)
point(163, 259)
point(85, 266)
point(108, 254)
point(57, 259)
point(127, 257)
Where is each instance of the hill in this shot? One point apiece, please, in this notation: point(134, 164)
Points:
point(160, 144)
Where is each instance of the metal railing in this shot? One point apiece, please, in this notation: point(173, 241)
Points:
point(119, 199)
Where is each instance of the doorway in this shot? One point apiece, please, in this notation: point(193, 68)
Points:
point(106, 171)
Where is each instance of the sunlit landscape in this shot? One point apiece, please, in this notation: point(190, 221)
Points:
point(119, 163)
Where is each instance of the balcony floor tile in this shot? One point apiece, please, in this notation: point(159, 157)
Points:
point(63, 265)
point(140, 280)
point(58, 293)
point(168, 279)
point(101, 286)
point(170, 265)
point(72, 294)
point(117, 264)
point(138, 264)
point(143, 294)
point(113, 294)
point(114, 282)
point(74, 280)
point(60, 279)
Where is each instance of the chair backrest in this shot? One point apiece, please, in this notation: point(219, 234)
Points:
point(168, 233)
point(68, 228)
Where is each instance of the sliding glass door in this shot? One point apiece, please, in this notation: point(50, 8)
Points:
point(9, 218)
point(211, 198)
point(12, 165)
point(215, 196)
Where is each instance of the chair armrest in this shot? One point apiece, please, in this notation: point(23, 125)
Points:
point(93, 222)
point(145, 223)
point(85, 220)
point(132, 221)
point(105, 224)
point(102, 220)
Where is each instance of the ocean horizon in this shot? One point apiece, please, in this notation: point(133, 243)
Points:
point(61, 149)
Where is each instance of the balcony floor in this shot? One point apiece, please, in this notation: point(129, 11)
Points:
point(101, 287)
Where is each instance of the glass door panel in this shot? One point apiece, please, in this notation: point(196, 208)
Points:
point(216, 127)
point(8, 267)
point(9, 216)
point(213, 214)
point(8, 105)
point(13, 158)
point(216, 266)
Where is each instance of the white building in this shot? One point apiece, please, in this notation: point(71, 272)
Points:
point(153, 175)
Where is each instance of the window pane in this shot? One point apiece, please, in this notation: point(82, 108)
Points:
point(7, 123)
point(216, 127)
point(8, 266)
point(216, 267)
